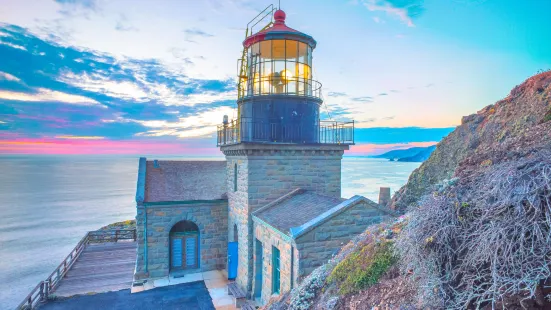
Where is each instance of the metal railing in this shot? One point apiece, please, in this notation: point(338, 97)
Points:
point(251, 130)
point(42, 291)
point(265, 86)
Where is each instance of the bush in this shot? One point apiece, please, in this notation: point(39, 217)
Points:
point(484, 240)
point(363, 268)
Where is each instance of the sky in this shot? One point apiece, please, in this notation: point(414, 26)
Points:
point(156, 77)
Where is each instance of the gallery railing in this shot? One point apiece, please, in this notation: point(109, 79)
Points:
point(264, 86)
point(251, 130)
point(42, 291)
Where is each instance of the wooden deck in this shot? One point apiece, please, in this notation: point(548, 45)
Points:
point(101, 267)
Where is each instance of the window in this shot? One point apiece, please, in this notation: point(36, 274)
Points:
point(235, 178)
point(275, 270)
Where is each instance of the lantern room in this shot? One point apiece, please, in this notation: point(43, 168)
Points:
point(278, 98)
point(278, 61)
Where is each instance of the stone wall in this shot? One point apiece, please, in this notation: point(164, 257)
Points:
point(317, 246)
point(210, 217)
point(239, 215)
point(266, 172)
point(270, 237)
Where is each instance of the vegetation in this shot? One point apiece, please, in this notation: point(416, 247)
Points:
point(363, 268)
point(547, 116)
point(484, 242)
point(128, 224)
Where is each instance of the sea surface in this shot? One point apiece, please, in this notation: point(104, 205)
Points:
point(48, 203)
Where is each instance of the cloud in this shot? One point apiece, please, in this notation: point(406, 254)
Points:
point(13, 45)
point(78, 85)
point(123, 25)
point(382, 94)
point(141, 90)
point(193, 32)
point(8, 77)
point(46, 95)
point(84, 3)
point(362, 99)
point(80, 137)
point(405, 10)
point(198, 125)
point(336, 94)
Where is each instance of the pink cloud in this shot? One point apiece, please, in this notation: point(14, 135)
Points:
point(81, 146)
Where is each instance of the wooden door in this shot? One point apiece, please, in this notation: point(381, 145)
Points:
point(184, 252)
point(190, 252)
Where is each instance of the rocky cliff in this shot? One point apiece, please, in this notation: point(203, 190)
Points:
point(511, 128)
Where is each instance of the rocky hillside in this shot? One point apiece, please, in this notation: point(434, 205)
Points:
point(419, 157)
point(413, 154)
point(480, 237)
point(509, 129)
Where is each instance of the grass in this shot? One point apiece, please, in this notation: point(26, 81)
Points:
point(363, 268)
point(547, 116)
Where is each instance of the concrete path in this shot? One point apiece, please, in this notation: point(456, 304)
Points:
point(187, 296)
point(216, 282)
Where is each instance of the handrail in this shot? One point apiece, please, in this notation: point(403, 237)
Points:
point(269, 85)
point(262, 131)
point(44, 288)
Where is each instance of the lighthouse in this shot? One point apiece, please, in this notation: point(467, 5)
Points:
point(276, 145)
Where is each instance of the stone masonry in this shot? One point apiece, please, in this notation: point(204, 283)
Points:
point(264, 173)
point(210, 217)
point(317, 246)
point(288, 258)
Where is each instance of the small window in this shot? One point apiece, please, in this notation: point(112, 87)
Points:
point(235, 178)
point(276, 273)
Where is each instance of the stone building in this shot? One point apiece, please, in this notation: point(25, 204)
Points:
point(273, 211)
point(182, 208)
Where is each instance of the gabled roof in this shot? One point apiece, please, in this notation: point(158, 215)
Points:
point(300, 211)
point(295, 209)
point(180, 181)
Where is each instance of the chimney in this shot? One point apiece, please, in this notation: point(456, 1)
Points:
point(384, 196)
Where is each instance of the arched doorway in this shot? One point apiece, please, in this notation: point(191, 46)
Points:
point(184, 246)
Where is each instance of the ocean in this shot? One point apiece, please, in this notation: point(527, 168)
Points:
point(48, 203)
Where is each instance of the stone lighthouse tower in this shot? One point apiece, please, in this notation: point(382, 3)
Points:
point(278, 142)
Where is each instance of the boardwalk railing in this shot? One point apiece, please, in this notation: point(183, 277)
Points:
point(41, 292)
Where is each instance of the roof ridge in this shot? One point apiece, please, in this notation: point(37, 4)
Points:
point(279, 200)
point(325, 216)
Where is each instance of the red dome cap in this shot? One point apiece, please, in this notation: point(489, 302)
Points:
point(279, 31)
point(279, 17)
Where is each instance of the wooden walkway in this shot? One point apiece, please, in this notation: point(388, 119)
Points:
point(101, 267)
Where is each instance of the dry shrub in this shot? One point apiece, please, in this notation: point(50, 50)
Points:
point(485, 239)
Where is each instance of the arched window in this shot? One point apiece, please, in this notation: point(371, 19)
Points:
point(235, 178)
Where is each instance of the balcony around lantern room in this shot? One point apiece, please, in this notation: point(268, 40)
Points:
point(261, 131)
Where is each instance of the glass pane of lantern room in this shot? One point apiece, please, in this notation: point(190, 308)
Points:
point(291, 50)
point(276, 80)
point(266, 50)
point(278, 49)
point(302, 52)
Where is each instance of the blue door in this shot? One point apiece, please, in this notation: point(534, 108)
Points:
point(232, 260)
